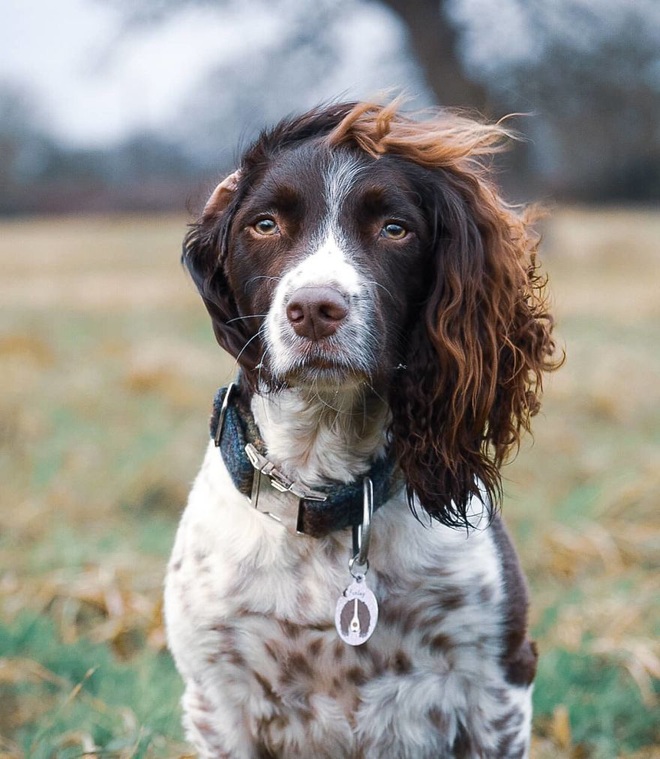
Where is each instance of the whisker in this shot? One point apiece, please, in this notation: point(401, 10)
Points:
point(376, 393)
point(260, 365)
point(378, 284)
point(250, 316)
point(263, 276)
point(248, 282)
point(364, 412)
point(323, 401)
point(256, 334)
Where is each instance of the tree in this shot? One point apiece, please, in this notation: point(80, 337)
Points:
point(435, 40)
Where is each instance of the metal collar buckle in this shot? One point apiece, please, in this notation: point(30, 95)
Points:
point(280, 482)
point(313, 520)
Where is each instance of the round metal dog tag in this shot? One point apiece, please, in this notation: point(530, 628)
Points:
point(356, 613)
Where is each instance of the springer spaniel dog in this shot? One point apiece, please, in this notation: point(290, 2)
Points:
point(342, 584)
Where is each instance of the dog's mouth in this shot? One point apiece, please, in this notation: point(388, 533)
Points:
point(316, 364)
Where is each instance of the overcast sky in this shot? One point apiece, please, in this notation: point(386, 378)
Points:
point(94, 83)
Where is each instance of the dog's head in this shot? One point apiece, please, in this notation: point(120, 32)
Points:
point(356, 245)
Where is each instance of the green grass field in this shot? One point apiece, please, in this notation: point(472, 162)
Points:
point(108, 368)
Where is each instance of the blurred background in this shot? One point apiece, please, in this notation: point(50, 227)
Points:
point(110, 105)
point(117, 117)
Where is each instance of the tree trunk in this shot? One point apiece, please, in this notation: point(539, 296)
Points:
point(435, 43)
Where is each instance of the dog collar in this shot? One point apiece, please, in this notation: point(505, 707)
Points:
point(320, 512)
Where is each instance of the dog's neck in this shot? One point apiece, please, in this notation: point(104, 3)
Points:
point(319, 436)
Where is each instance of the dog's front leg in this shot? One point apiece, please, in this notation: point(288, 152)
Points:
point(216, 733)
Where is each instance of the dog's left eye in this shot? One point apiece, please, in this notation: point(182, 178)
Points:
point(266, 227)
point(393, 231)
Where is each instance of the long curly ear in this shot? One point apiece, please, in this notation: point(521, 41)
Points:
point(482, 339)
point(204, 255)
point(477, 352)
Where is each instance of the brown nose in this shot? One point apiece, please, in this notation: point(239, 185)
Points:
point(316, 312)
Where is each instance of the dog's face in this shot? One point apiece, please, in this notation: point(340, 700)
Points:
point(327, 249)
point(352, 241)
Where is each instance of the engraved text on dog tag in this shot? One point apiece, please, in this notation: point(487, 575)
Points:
point(356, 613)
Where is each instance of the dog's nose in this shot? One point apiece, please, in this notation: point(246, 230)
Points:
point(316, 312)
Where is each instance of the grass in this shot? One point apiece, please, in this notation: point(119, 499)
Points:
point(109, 367)
point(79, 693)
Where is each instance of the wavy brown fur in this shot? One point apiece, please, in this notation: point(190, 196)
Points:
point(484, 337)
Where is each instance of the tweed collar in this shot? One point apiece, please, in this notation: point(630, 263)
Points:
point(342, 506)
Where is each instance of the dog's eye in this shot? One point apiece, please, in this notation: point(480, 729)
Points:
point(394, 231)
point(266, 227)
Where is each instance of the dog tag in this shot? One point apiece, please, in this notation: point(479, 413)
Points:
point(356, 613)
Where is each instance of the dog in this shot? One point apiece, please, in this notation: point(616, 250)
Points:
point(341, 583)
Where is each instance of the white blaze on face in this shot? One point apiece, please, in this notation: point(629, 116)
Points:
point(339, 182)
point(328, 264)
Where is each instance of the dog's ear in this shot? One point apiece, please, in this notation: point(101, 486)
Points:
point(476, 353)
point(205, 249)
point(222, 195)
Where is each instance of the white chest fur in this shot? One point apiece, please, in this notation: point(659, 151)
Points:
point(250, 608)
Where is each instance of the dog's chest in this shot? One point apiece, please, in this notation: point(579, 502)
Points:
point(251, 618)
point(270, 648)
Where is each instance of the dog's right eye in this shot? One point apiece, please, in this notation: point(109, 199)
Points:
point(266, 227)
point(393, 231)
